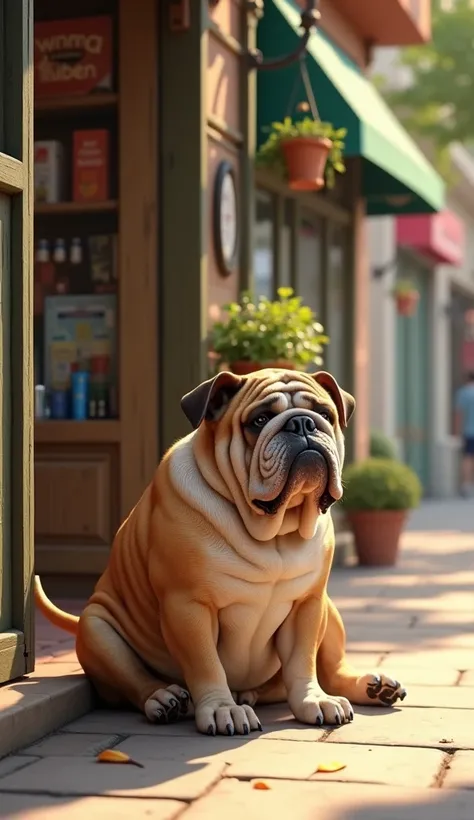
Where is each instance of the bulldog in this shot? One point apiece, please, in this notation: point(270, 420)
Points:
point(215, 596)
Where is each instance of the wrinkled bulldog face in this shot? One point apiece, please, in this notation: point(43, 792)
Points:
point(272, 443)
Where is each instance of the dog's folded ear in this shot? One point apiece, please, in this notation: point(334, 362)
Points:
point(344, 402)
point(209, 400)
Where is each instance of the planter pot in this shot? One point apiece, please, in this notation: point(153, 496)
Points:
point(377, 535)
point(407, 303)
point(306, 159)
point(243, 368)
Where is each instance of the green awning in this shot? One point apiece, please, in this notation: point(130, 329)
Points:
point(397, 177)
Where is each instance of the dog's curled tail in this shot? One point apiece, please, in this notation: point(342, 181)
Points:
point(56, 616)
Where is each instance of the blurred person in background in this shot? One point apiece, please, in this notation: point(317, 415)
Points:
point(465, 429)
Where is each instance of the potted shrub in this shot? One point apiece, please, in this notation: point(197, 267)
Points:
point(306, 152)
point(381, 446)
point(262, 333)
point(377, 497)
point(406, 297)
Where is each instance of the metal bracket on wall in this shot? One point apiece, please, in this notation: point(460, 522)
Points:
point(309, 19)
point(381, 270)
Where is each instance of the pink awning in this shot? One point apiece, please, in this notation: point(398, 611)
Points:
point(440, 236)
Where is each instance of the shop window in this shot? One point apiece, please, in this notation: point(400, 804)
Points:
point(264, 244)
point(76, 192)
point(309, 275)
point(336, 323)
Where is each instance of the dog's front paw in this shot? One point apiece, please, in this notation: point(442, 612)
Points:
point(383, 689)
point(316, 708)
point(167, 705)
point(225, 717)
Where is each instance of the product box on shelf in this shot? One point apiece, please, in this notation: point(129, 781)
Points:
point(48, 171)
point(90, 166)
point(73, 56)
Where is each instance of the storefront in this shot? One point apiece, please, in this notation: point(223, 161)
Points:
point(318, 242)
point(95, 277)
point(424, 243)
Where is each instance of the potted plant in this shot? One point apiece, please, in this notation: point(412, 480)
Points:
point(306, 152)
point(381, 446)
point(377, 497)
point(262, 333)
point(406, 297)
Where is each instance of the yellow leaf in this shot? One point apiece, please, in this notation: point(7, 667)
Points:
point(259, 784)
point(333, 766)
point(114, 756)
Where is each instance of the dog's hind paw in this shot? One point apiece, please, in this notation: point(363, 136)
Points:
point(167, 705)
point(384, 689)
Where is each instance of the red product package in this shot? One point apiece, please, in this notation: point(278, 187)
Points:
point(73, 56)
point(90, 166)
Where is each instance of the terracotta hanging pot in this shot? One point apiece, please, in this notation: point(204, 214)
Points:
point(243, 368)
point(306, 159)
point(407, 302)
point(377, 535)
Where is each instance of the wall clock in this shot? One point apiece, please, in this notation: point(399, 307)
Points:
point(226, 219)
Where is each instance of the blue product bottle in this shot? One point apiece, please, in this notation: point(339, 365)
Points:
point(80, 390)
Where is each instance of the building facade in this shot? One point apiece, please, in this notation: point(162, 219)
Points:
point(133, 264)
point(418, 362)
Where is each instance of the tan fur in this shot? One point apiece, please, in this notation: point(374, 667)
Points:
point(205, 591)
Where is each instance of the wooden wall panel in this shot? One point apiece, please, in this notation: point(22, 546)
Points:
point(86, 479)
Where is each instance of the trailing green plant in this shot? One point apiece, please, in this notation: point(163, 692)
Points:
point(404, 287)
point(381, 446)
point(267, 331)
point(380, 484)
point(270, 154)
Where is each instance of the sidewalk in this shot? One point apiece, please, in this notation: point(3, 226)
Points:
point(415, 761)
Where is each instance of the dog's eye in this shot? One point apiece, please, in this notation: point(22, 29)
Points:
point(325, 415)
point(261, 420)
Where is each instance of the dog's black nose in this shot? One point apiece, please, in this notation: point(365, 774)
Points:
point(300, 425)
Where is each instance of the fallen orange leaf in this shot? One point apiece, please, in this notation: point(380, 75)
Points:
point(259, 784)
point(333, 766)
point(114, 756)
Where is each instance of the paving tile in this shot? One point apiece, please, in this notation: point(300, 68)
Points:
point(289, 760)
point(273, 718)
point(234, 799)
point(192, 749)
point(467, 679)
point(460, 773)
point(408, 727)
point(12, 763)
point(72, 745)
point(42, 807)
point(449, 697)
point(418, 675)
point(171, 779)
point(430, 658)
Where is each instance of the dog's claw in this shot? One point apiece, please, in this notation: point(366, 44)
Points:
point(403, 694)
point(259, 727)
point(230, 729)
point(246, 728)
point(211, 730)
point(319, 721)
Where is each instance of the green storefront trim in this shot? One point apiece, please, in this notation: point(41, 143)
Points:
point(396, 177)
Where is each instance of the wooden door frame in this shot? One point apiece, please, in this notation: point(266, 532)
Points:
point(17, 645)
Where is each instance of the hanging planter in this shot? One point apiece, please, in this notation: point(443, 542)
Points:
point(305, 159)
point(307, 153)
point(406, 297)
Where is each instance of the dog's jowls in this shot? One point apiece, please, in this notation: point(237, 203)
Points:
point(215, 595)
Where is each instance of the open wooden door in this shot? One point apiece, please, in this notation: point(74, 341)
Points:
point(16, 344)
